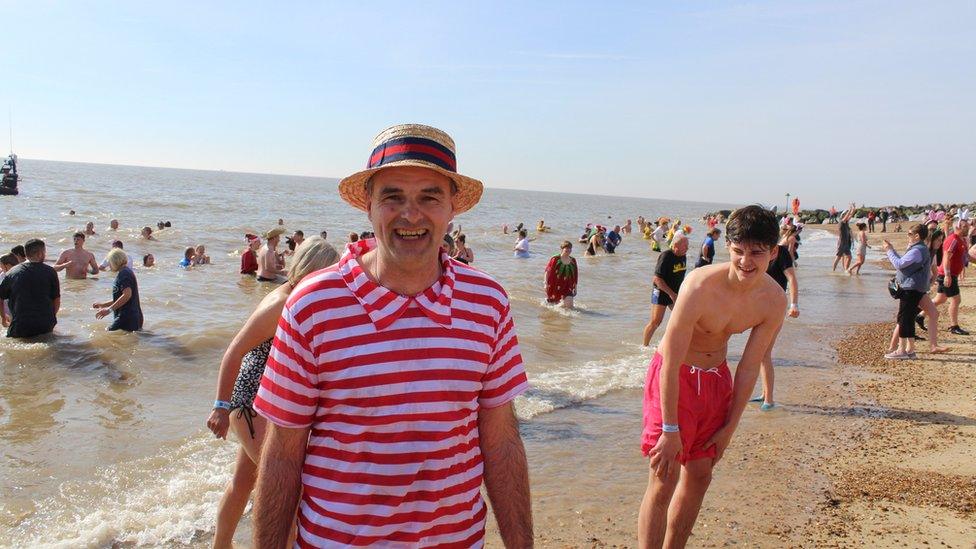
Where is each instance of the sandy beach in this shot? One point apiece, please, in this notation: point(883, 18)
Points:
point(908, 477)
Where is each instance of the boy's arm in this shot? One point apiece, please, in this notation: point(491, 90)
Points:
point(677, 339)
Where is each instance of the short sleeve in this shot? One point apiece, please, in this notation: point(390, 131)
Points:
point(288, 395)
point(5, 288)
point(660, 268)
point(951, 244)
point(505, 378)
point(128, 279)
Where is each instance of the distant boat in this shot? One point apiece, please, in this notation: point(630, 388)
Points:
point(8, 185)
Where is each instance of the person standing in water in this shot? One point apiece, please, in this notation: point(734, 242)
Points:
point(33, 292)
point(249, 259)
point(844, 239)
point(77, 262)
point(269, 269)
point(239, 378)
point(668, 276)
point(522, 245)
point(782, 269)
point(708, 248)
point(462, 252)
point(862, 249)
point(561, 277)
point(125, 305)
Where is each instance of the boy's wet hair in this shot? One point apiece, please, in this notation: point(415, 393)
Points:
point(753, 224)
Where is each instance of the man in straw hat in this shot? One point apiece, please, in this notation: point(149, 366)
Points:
point(270, 268)
point(390, 383)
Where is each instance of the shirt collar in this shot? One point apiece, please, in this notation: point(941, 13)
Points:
point(384, 306)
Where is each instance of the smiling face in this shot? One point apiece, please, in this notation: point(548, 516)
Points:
point(749, 259)
point(410, 209)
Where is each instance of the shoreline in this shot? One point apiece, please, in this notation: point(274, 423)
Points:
point(862, 452)
point(910, 479)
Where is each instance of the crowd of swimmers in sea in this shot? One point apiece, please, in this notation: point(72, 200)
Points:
point(352, 383)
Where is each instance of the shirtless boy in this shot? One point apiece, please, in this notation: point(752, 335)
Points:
point(77, 262)
point(691, 404)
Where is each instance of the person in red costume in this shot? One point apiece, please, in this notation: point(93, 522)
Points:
point(561, 276)
point(249, 260)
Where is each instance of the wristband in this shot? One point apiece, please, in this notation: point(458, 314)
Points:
point(669, 428)
point(794, 306)
point(222, 404)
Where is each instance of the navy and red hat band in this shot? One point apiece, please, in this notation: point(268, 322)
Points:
point(413, 148)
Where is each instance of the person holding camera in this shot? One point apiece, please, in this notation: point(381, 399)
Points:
point(911, 286)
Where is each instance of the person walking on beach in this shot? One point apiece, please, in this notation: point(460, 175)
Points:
point(125, 295)
point(33, 293)
point(862, 249)
point(912, 278)
point(561, 276)
point(782, 270)
point(77, 262)
point(871, 218)
point(707, 252)
point(933, 242)
point(388, 390)
point(237, 383)
point(953, 252)
point(692, 406)
point(669, 273)
point(844, 239)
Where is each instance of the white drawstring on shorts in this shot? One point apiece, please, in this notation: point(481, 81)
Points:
point(698, 372)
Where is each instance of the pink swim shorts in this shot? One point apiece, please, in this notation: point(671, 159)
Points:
point(704, 399)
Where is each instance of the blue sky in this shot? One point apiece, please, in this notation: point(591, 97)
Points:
point(720, 101)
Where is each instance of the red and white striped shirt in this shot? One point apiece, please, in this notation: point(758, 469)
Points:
point(391, 386)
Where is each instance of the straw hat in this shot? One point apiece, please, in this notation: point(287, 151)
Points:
point(278, 231)
point(413, 145)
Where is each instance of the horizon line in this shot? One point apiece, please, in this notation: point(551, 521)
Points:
point(723, 204)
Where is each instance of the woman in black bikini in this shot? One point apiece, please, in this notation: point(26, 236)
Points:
point(237, 383)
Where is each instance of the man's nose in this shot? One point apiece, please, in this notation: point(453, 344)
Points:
point(410, 211)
